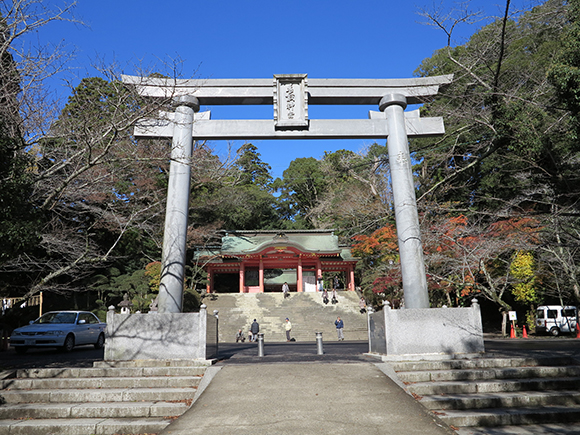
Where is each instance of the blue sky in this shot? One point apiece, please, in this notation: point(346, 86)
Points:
point(256, 39)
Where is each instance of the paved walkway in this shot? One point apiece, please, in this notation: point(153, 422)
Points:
point(291, 390)
point(304, 398)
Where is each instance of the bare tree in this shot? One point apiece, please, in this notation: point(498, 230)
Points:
point(23, 81)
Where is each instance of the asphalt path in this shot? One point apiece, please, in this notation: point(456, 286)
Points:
point(247, 353)
point(82, 356)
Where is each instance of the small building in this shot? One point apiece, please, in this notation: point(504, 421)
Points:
point(262, 261)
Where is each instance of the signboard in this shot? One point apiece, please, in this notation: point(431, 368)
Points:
point(513, 315)
point(290, 101)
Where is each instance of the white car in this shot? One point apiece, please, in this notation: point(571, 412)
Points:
point(556, 319)
point(60, 329)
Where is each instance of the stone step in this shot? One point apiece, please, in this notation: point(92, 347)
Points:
point(150, 363)
point(100, 372)
point(480, 363)
point(97, 395)
point(100, 383)
point(306, 312)
point(98, 426)
point(544, 429)
point(492, 386)
point(504, 417)
point(143, 409)
point(113, 397)
point(489, 373)
point(501, 400)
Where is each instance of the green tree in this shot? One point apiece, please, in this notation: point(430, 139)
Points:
point(302, 186)
point(510, 151)
point(497, 154)
point(252, 170)
point(232, 197)
point(564, 72)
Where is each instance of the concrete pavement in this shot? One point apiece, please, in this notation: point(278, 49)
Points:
point(304, 398)
point(294, 391)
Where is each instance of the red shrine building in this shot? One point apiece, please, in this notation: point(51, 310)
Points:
point(262, 261)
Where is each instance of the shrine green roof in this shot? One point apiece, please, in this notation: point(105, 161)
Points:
point(248, 242)
point(238, 243)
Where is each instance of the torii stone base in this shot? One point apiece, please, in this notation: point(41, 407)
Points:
point(426, 333)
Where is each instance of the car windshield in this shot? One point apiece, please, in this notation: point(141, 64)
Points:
point(57, 318)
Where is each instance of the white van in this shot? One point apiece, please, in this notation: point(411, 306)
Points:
point(556, 319)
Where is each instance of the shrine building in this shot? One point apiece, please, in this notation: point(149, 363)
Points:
point(261, 261)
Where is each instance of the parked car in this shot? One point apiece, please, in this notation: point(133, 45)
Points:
point(556, 319)
point(60, 329)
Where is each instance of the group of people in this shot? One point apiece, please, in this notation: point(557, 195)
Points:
point(338, 323)
point(252, 333)
point(334, 299)
point(255, 328)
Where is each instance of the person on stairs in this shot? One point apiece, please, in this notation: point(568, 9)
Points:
point(362, 304)
point(285, 290)
point(255, 328)
point(288, 327)
point(325, 297)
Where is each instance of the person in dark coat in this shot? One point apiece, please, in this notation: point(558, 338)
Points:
point(339, 327)
point(255, 328)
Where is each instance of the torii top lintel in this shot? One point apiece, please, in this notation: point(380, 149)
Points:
point(290, 95)
point(320, 91)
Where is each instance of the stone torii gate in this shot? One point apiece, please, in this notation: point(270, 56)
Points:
point(290, 95)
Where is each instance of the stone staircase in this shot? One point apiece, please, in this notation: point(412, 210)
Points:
point(133, 397)
point(498, 395)
point(306, 311)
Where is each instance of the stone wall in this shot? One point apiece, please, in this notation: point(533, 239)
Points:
point(159, 336)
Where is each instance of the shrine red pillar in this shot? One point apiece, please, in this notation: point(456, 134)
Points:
point(351, 278)
point(261, 276)
point(242, 270)
point(318, 271)
point(299, 285)
point(209, 285)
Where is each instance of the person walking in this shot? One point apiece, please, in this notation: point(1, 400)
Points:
point(240, 336)
point(285, 290)
point(339, 327)
point(362, 304)
point(325, 297)
point(255, 328)
point(288, 328)
point(334, 298)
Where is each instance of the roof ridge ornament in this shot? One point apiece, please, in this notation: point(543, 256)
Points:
point(280, 236)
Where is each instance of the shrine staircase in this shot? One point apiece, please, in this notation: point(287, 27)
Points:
point(306, 311)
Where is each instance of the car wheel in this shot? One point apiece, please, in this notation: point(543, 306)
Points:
point(69, 343)
point(554, 331)
point(100, 341)
point(21, 349)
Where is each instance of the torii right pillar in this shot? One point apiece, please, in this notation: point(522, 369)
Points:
point(406, 215)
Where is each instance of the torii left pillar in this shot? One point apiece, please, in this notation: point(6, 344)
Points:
point(175, 236)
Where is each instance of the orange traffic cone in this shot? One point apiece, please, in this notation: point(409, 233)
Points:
point(524, 332)
point(577, 331)
point(512, 332)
